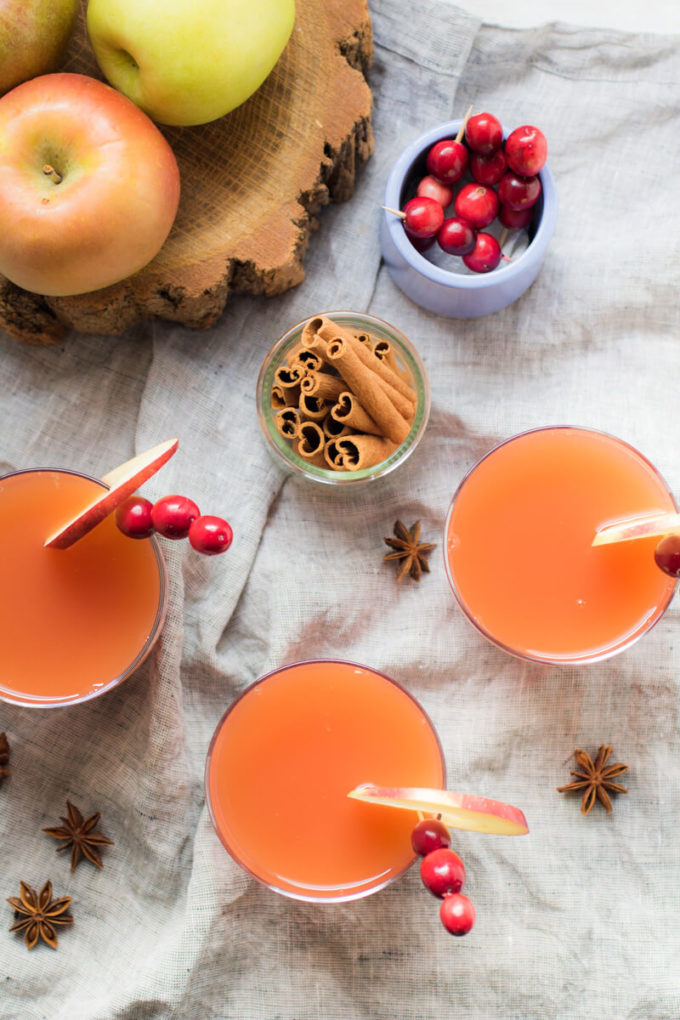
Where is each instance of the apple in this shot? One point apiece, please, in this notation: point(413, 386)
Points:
point(122, 482)
point(457, 810)
point(644, 526)
point(89, 187)
point(34, 35)
point(188, 63)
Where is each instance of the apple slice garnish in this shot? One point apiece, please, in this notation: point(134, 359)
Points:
point(122, 481)
point(650, 526)
point(457, 810)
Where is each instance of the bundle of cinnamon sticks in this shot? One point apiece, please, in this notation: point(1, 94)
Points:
point(342, 398)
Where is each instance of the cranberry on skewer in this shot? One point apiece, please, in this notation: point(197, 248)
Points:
point(484, 133)
point(526, 150)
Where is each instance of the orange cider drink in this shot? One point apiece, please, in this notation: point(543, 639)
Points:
point(519, 554)
point(284, 758)
point(76, 621)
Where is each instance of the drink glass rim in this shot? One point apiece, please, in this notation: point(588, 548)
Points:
point(576, 659)
point(154, 633)
point(343, 897)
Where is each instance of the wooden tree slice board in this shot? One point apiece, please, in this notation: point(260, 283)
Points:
point(252, 185)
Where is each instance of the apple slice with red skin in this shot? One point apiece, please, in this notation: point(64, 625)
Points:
point(650, 526)
point(122, 482)
point(457, 810)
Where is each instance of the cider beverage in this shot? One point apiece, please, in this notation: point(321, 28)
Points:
point(73, 622)
point(283, 759)
point(519, 552)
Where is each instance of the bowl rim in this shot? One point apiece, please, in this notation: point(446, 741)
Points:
point(457, 281)
point(279, 447)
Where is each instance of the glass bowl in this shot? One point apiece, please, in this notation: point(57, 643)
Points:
point(408, 362)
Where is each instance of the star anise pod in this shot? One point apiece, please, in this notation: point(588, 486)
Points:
point(38, 914)
point(4, 756)
point(410, 550)
point(595, 778)
point(79, 834)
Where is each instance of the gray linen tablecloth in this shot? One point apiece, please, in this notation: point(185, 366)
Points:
point(581, 919)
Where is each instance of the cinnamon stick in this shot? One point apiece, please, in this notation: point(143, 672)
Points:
point(288, 379)
point(333, 456)
point(364, 384)
point(329, 330)
point(287, 422)
point(310, 330)
point(322, 384)
point(348, 411)
point(366, 339)
point(312, 408)
point(309, 444)
point(333, 428)
point(385, 352)
point(404, 406)
point(310, 336)
point(310, 360)
point(364, 451)
point(278, 397)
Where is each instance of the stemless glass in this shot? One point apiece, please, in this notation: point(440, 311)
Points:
point(518, 546)
point(75, 622)
point(284, 757)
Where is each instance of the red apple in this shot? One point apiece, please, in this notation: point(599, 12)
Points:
point(89, 187)
point(122, 482)
point(457, 810)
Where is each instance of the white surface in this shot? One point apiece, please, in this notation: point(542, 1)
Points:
point(661, 16)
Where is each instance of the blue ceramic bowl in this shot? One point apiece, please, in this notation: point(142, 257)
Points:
point(448, 293)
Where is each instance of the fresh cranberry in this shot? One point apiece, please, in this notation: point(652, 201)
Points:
point(429, 835)
point(442, 871)
point(133, 517)
point(422, 217)
point(485, 256)
point(447, 160)
point(519, 192)
point(456, 237)
point(457, 914)
point(421, 243)
point(476, 204)
point(515, 218)
point(172, 516)
point(488, 169)
point(667, 555)
point(526, 150)
point(430, 187)
point(484, 133)
point(210, 535)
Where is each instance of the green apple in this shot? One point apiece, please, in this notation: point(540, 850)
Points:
point(188, 63)
point(34, 35)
